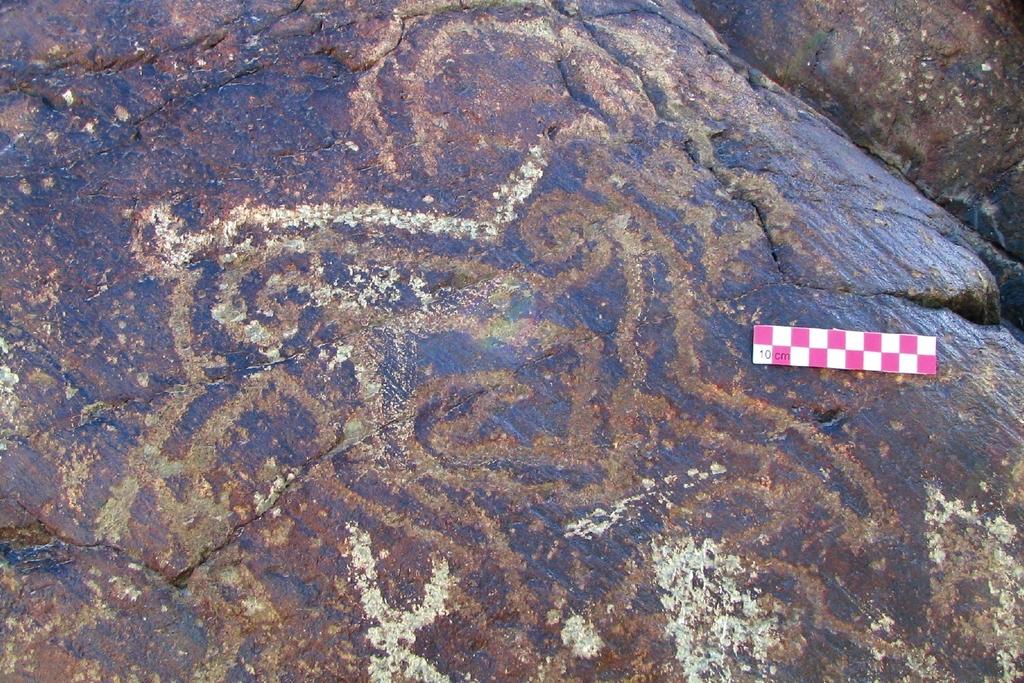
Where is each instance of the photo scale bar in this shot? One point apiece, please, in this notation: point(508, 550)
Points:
point(812, 347)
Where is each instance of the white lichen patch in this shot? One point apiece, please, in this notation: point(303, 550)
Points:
point(600, 520)
point(419, 289)
point(9, 402)
point(918, 659)
point(364, 286)
point(175, 247)
point(341, 354)
point(266, 501)
point(579, 635)
point(229, 311)
point(257, 333)
point(8, 380)
point(698, 474)
point(115, 515)
point(124, 589)
point(307, 216)
point(883, 624)
point(395, 630)
point(940, 511)
point(968, 546)
point(716, 623)
point(520, 186)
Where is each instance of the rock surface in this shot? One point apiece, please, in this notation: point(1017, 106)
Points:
point(936, 91)
point(412, 340)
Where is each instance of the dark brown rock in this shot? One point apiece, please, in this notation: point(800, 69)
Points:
point(413, 341)
point(936, 91)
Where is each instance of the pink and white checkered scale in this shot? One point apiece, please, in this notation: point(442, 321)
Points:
point(811, 347)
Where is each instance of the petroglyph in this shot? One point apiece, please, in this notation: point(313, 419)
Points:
point(290, 229)
point(395, 632)
point(508, 198)
point(163, 456)
point(429, 348)
point(285, 225)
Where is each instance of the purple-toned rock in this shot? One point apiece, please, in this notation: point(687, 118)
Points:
point(412, 341)
point(936, 91)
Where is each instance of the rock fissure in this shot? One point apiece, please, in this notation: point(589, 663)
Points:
point(341, 446)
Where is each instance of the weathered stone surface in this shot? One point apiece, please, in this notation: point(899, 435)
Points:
point(938, 92)
point(412, 340)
